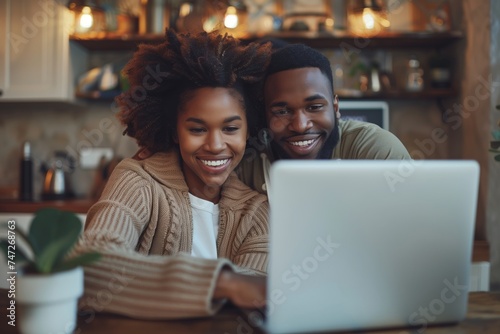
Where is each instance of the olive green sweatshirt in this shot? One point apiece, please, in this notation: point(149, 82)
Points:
point(358, 140)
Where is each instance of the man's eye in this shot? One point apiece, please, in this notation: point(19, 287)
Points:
point(315, 107)
point(280, 112)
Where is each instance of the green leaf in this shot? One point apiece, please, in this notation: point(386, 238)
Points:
point(51, 225)
point(54, 253)
point(80, 260)
point(20, 256)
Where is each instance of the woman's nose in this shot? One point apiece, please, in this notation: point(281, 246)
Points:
point(215, 142)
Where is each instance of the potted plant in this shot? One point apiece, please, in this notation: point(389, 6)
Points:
point(50, 279)
point(495, 143)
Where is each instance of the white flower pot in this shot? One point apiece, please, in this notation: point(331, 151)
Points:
point(48, 303)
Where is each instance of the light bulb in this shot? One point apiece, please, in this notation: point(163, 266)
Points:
point(86, 18)
point(368, 18)
point(231, 19)
point(185, 10)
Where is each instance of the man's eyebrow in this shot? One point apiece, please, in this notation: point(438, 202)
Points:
point(307, 99)
point(315, 97)
point(278, 104)
point(200, 121)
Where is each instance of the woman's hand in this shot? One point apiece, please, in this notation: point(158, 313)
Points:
point(242, 290)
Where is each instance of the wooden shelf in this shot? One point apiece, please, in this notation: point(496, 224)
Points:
point(386, 40)
point(401, 95)
point(391, 41)
point(128, 42)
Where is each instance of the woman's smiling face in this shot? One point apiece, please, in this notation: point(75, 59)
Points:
point(211, 133)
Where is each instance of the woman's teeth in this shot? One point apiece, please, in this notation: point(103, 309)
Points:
point(215, 163)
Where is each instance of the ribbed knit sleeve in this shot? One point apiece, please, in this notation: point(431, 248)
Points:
point(245, 214)
point(151, 287)
point(132, 217)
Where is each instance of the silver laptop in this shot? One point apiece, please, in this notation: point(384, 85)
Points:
point(369, 244)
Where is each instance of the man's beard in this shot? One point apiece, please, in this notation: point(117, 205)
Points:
point(325, 152)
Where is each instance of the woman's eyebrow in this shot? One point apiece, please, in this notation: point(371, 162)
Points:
point(232, 118)
point(195, 120)
point(200, 121)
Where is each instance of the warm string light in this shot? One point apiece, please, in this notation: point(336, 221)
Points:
point(372, 18)
point(86, 18)
point(231, 18)
point(369, 20)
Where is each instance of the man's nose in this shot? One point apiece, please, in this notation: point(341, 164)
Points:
point(301, 122)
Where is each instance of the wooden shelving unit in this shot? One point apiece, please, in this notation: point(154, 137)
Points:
point(127, 42)
point(402, 95)
point(321, 40)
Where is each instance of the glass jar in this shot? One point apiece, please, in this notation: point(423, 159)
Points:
point(415, 77)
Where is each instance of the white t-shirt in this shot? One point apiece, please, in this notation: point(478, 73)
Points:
point(205, 227)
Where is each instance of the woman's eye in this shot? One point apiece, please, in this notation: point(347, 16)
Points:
point(231, 128)
point(196, 130)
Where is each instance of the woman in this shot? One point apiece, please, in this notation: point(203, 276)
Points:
point(178, 231)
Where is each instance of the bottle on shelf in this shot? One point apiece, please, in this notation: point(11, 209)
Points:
point(415, 78)
point(26, 174)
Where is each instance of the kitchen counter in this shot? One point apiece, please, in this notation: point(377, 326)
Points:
point(74, 205)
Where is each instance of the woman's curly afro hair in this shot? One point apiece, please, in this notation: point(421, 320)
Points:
point(161, 76)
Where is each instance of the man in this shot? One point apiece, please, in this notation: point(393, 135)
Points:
point(303, 119)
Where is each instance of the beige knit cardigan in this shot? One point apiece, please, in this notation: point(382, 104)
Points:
point(143, 226)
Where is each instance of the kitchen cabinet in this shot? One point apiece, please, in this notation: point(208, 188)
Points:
point(34, 51)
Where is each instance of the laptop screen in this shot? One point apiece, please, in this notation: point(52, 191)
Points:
point(363, 244)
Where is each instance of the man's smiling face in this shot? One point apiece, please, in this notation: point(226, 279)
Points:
point(300, 111)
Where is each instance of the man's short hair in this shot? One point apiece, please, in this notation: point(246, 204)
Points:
point(295, 56)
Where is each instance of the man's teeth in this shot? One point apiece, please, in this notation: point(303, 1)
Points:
point(302, 143)
point(215, 163)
